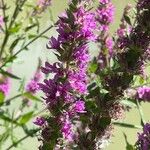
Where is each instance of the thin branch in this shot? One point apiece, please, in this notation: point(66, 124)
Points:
point(140, 112)
point(22, 139)
point(10, 99)
point(13, 18)
point(30, 42)
point(4, 14)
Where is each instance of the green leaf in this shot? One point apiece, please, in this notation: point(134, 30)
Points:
point(15, 42)
point(91, 86)
point(126, 125)
point(4, 136)
point(7, 119)
point(91, 106)
point(2, 97)
point(141, 113)
point(15, 29)
point(93, 92)
point(93, 67)
point(104, 122)
point(128, 145)
point(6, 73)
point(26, 117)
point(31, 97)
point(129, 103)
point(30, 27)
point(127, 19)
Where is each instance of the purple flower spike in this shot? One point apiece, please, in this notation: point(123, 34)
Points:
point(143, 142)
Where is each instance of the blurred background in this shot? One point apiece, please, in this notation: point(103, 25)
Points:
point(26, 65)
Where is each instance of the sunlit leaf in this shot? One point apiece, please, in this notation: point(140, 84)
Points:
point(30, 96)
point(2, 97)
point(26, 117)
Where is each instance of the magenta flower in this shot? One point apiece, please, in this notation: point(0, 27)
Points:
point(143, 93)
point(5, 86)
point(1, 21)
point(40, 121)
point(33, 86)
point(143, 142)
point(79, 106)
point(67, 127)
point(105, 14)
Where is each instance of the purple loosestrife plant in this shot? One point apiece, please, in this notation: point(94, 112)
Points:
point(115, 77)
point(64, 92)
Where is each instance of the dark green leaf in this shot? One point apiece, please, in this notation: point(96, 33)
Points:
point(15, 42)
point(94, 92)
point(104, 122)
point(127, 19)
point(4, 136)
point(7, 119)
point(128, 145)
point(30, 27)
point(126, 125)
point(6, 73)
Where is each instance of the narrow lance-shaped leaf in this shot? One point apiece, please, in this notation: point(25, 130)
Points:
point(9, 74)
point(30, 96)
point(128, 145)
point(2, 97)
point(127, 125)
point(26, 117)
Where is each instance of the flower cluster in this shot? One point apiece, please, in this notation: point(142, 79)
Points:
point(124, 29)
point(143, 4)
point(143, 93)
point(43, 3)
point(40, 121)
point(33, 86)
point(5, 85)
point(105, 15)
point(135, 45)
point(69, 81)
point(143, 142)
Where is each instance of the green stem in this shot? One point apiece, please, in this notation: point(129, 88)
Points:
point(140, 112)
point(10, 99)
point(22, 139)
point(4, 14)
point(7, 35)
point(30, 42)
